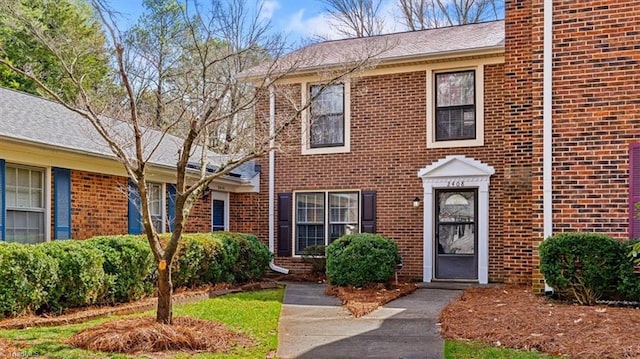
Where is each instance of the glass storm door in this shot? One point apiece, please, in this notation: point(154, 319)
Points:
point(456, 239)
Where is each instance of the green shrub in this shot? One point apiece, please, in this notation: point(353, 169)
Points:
point(128, 261)
point(26, 276)
point(628, 280)
point(253, 260)
point(81, 279)
point(582, 266)
point(315, 255)
point(200, 259)
point(360, 259)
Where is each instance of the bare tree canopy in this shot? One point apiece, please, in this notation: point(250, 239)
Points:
point(356, 18)
point(427, 14)
point(174, 79)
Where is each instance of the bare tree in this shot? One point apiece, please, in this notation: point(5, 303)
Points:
point(202, 99)
point(356, 18)
point(427, 14)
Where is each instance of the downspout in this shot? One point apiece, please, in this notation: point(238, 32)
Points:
point(272, 179)
point(547, 130)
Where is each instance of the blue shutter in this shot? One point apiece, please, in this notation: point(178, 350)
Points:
point(134, 218)
point(171, 205)
point(2, 204)
point(217, 216)
point(62, 202)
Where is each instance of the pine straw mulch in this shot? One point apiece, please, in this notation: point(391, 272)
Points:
point(359, 301)
point(144, 335)
point(514, 317)
point(362, 301)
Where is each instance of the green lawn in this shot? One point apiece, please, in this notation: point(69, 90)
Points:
point(458, 349)
point(253, 313)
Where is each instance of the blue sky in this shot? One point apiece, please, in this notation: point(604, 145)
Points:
point(297, 19)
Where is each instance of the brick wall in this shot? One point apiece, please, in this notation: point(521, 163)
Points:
point(388, 147)
point(517, 243)
point(596, 82)
point(98, 204)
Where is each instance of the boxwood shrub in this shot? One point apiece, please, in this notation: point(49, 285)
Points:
point(81, 278)
point(253, 260)
point(588, 266)
point(27, 274)
point(360, 259)
point(128, 261)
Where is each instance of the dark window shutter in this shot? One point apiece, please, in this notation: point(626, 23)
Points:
point(133, 216)
point(634, 190)
point(284, 224)
point(368, 212)
point(2, 203)
point(171, 205)
point(62, 202)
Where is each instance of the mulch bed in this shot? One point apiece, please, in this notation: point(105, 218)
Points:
point(514, 317)
point(362, 301)
point(144, 335)
point(9, 350)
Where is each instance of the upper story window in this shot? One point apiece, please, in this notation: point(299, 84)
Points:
point(25, 204)
point(327, 116)
point(455, 102)
point(455, 110)
point(326, 124)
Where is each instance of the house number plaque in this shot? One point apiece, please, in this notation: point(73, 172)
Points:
point(455, 183)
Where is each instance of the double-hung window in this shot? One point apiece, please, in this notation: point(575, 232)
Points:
point(327, 116)
point(326, 123)
point(25, 204)
point(322, 217)
point(156, 206)
point(455, 111)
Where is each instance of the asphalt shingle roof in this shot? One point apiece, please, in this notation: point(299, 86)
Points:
point(391, 47)
point(36, 120)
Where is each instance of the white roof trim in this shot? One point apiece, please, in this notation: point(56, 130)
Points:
point(456, 166)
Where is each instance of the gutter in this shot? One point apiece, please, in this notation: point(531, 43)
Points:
point(547, 118)
point(272, 179)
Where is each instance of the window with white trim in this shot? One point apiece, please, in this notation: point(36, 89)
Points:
point(455, 110)
point(322, 217)
point(25, 204)
point(156, 206)
point(326, 123)
point(455, 102)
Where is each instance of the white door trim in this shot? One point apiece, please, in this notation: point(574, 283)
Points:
point(454, 172)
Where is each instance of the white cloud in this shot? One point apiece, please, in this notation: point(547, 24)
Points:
point(268, 8)
point(316, 26)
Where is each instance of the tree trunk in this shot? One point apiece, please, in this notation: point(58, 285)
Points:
point(164, 314)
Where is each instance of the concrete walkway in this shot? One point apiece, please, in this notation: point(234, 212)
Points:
point(314, 325)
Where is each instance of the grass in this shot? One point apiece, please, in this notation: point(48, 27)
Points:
point(458, 349)
point(253, 313)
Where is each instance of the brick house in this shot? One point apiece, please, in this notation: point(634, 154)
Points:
point(59, 180)
point(466, 145)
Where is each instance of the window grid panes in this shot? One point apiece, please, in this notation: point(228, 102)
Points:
point(24, 193)
point(317, 226)
point(155, 205)
point(327, 116)
point(455, 106)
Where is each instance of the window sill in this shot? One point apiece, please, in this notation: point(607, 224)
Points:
point(459, 143)
point(325, 150)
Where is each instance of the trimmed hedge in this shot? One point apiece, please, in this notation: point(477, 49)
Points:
point(587, 267)
point(81, 278)
point(361, 259)
point(111, 269)
point(27, 274)
point(128, 261)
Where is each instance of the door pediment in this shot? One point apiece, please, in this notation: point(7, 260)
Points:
point(456, 166)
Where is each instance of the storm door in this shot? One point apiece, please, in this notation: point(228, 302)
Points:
point(456, 234)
